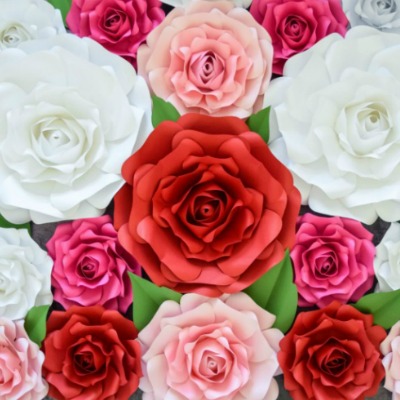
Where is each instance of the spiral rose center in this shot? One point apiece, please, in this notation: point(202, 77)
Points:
point(384, 6)
point(84, 362)
point(205, 68)
point(336, 362)
point(294, 27)
point(13, 35)
point(326, 266)
point(113, 20)
point(87, 268)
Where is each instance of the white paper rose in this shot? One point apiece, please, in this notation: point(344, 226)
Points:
point(185, 3)
point(22, 20)
point(380, 14)
point(71, 113)
point(25, 271)
point(336, 124)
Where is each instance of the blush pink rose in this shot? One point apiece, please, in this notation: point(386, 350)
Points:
point(119, 25)
point(90, 266)
point(20, 364)
point(333, 259)
point(207, 348)
point(296, 25)
point(209, 58)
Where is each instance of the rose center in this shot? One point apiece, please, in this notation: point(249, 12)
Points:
point(84, 362)
point(294, 27)
point(325, 267)
point(14, 34)
point(384, 6)
point(336, 362)
point(206, 69)
point(113, 19)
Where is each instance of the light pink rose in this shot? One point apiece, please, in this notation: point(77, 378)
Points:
point(296, 25)
point(390, 348)
point(90, 266)
point(333, 260)
point(202, 348)
point(209, 58)
point(20, 364)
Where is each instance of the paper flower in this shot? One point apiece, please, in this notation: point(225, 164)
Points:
point(333, 260)
point(20, 364)
point(90, 266)
point(209, 58)
point(383, 15)
point(71, 114)
point(119, 25)
point(207, 208)
point(186, 3)
point(91, 353)
point(296, 25)
point(390, 349)
point(387, 261)
point(332, 353)
point(24, 274)
point(24, 20)
point(335, 123)
point(210, 349)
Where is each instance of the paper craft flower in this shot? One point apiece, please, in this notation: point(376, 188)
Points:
point(186, 3)
point(332, 353)
point(90, 266)
point(390, 349)
point(20, 364)
point(387, 260)
point(207, 207)
point(24, 20)
point(71, 114)
point(296, 25)
point(210, 349)
point(91, 353)
point(209, 58)
point(333, 259)
point(383, 15)
point(24, 274)
point(119, 25)
point(335, 115)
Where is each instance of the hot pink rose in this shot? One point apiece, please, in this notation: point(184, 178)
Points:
point(209, 58)
point(20, 364)
point(208, 348)
point(296, 25)
point(90, 266)
point(119, 25)
point(333, 260)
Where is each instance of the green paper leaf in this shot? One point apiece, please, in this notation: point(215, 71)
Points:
point(63, 5)
point(35, 323)
point(163, 111)
point(147, 298)
point(260, 123)
point(276, 293)
point(5, 224)
point(385, 307)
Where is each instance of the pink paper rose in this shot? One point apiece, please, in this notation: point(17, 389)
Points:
point(208, 348)
point(90, 266)
point(20, 364)
point(296, 25)
point(119, 25)
point(332, 259)
point(390, 348)
point(209, 58)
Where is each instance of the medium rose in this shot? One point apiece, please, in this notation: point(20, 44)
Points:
point(332, 353)
point(390, 349)
point(119, 25)
point(90, 266)
point(296, 25)
point(91, 353)
point(335, 124)
point(206, 208)
point(333, 259)
point(209, 58)
point(207, 349)
point(20, 364)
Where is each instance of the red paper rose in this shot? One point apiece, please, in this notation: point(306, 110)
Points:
point(91, 353)
point(119, 25)
point(207, 207)
point(332, 353)
point(296, 25)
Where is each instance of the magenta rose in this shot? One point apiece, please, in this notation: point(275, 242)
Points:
point(333, 259)
point(119, 25)
point(90, 266)
point(296, 25)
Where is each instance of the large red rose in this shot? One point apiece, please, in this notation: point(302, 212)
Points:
point(207, 207)
point(91, 353)
point(332, 353)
